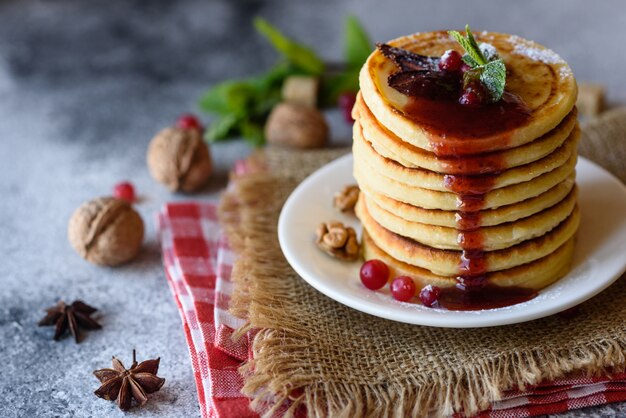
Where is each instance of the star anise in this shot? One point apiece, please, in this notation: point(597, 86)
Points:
point(123, 384)
point(419, 75)
point(70, 317)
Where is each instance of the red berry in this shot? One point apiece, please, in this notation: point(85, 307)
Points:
point(451, 60)
point(430, 295)
point(189, 121)
point(465, 68)
point(402, 288)
point(470, 98)
point(346, 102)
point(374, 274)
point(125, 191)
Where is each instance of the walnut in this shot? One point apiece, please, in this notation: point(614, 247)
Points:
point(106, 231)
point(338, 240)
point(301, 90)
point(296, 126)
point(180, 159)
point(345, 200)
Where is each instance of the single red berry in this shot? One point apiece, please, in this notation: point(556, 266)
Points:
point(374, 274)
point(402, 288)
point(470, 98)
point(430, 295)
point(125, 191)
point(189, 121)
point(346, 102)
point(451, 60)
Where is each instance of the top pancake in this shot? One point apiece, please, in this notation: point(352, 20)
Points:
point(539, 77)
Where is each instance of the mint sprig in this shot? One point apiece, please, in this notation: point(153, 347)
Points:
point(485, 63)
point(241, 106)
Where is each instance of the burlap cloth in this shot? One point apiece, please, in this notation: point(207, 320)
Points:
point(339, 362)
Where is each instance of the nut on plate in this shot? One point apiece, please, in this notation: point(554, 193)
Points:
point(297, 126)
point(179, 159)
point(106, 231)
point(338, 240)
point(346, 199)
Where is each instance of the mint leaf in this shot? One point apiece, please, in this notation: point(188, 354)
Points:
point(302, 57)
point(474, 55)
point(221, 128)
point(487, 66)
point(357, 43)
point(493, 77)
point(333, 86)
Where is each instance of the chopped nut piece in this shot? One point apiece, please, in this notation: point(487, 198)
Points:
point(338, 240)
point(301, 90)
point(345, 200)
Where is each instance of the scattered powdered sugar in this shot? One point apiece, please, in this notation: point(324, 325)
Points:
point(530, 50)
point(488, 50)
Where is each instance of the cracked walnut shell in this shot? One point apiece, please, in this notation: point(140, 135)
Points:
point(338, 240)
point(180, 159)
point(106, 231)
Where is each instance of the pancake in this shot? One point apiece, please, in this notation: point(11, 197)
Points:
point(536, 75)
point(534, 275)
point(488, 217)
point(448, 262)
point(426, 179)
point(390, 146)
point(367, 177)
point(491, 238)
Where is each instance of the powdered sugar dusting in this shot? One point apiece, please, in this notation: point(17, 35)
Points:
point(530, 50)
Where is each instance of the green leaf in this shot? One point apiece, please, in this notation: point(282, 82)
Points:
point(221, 128)
point(253, 133)
point(227, 97)
point(470, 46)
point(493, 77)
point(302, 57)
point(333, 86)
point(357, 43)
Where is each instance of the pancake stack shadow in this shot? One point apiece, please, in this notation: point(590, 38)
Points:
point(461, 206)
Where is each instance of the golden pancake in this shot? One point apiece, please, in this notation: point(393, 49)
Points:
point(448, 262)
point(426, 179)
point(536, 75)
point(368, 178)
point(390, 146)
point(534, 275)
point(491, 238)
point(487, 217)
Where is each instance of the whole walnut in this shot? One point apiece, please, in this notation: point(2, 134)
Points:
point(180, 159)
point(106, 231)
point(297, 126)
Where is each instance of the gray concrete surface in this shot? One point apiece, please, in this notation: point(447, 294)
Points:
point(83, 87)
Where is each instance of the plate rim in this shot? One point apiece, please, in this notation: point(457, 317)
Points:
point(414, 317)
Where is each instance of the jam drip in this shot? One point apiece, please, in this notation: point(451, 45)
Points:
point(476, 132)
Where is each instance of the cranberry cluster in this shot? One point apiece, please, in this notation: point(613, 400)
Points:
point(375, 274)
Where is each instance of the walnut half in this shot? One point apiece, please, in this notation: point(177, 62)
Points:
point(338, 240)
point(345, 200)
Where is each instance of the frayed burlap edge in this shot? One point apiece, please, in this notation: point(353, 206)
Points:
point(249, 212)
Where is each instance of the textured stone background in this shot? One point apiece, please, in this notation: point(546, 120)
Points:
point(83, 87)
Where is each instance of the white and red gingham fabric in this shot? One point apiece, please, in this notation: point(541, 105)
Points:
point(198, 264)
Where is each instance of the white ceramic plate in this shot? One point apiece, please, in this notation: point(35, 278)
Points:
point(599, 259)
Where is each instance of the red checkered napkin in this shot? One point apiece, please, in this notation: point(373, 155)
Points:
point(198, 264)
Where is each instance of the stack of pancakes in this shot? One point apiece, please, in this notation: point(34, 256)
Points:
point(472, 196)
